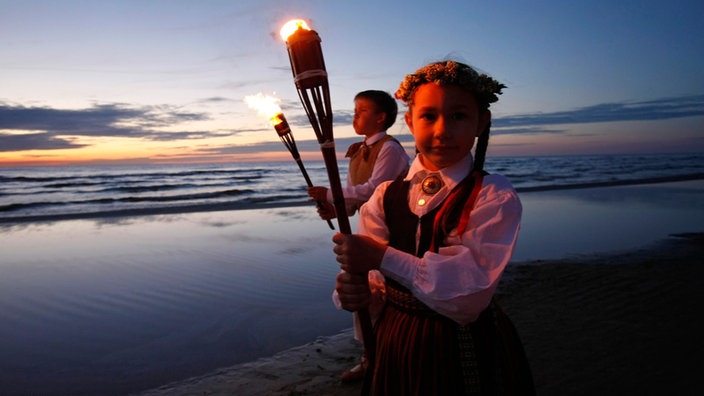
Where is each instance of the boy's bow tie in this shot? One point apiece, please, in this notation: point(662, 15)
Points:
point(355, 147)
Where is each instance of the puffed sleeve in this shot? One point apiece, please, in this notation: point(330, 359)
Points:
point(459, 280)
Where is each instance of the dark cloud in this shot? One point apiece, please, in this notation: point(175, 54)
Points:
point(343, 117)
point(51, 127)
point(96, 121)
point(284, 69)
point(190, 135)
point(35, 141)
point(99, 120)
point(339, 117)
point(290, 104)
point(215, 99)
point(660, 109)
point(523, 130)
point(302, 146)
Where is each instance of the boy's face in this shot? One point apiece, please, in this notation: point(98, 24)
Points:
point(444, 121)
point(368, 120)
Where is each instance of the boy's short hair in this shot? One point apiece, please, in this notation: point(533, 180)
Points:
point(384, 101)
point(484, 88)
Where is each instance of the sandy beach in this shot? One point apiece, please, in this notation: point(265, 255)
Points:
point(238, 302)
point(610, 324)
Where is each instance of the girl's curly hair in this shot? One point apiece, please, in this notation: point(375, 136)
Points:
point(484, 88)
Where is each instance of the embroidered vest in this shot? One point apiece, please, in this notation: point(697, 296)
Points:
point(402, 223)
point(362, 164)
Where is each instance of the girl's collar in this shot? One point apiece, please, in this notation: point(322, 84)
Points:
point(450, 175)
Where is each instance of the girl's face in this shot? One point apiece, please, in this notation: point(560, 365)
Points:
point(368, 120)
point(444, 121)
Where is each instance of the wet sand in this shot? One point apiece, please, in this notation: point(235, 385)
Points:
point(123, 304)
point(607, 324)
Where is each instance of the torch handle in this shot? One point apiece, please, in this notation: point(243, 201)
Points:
point(338, 198)
point(303, 171)
point(343, 222)
point(310, 184)
point(311, 80)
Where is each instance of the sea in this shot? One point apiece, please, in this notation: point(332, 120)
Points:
point(73, 192)
point(148, 277)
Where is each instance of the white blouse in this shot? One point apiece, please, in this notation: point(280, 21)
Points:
point(459, 280)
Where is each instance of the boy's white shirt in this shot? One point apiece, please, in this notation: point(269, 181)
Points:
point(390, 163)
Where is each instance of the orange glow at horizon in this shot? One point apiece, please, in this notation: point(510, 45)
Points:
point(58, 159)
point(291, 26)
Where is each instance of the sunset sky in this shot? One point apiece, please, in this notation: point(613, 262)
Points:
point(164, 81)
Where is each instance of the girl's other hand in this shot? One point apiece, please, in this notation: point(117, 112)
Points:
point(358, 254)
point(353, 291)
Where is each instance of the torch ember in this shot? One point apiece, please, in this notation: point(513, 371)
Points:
point(268, 106)
point(291, 26)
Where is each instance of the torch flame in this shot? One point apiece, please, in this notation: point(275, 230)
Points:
point(291, 26)
point(267, 106)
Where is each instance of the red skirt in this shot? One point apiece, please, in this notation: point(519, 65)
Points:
point(420, 352)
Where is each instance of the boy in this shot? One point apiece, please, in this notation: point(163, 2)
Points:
point(378, 158)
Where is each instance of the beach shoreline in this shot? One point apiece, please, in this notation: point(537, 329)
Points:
point(614, 323)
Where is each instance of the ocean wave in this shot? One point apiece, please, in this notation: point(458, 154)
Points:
point(75, 192)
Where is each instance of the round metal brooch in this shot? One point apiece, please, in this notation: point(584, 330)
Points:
point(431, 184)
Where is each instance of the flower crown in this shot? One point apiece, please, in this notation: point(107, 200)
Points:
point(484, 88)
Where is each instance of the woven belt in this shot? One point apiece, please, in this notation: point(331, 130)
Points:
point(404, 301)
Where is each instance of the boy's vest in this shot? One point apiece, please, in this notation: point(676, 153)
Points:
point(363, 158)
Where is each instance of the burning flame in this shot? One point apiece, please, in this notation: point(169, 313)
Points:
point(267, 106)
point(291, 26)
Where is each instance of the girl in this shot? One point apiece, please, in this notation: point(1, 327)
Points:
point(441, 238)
